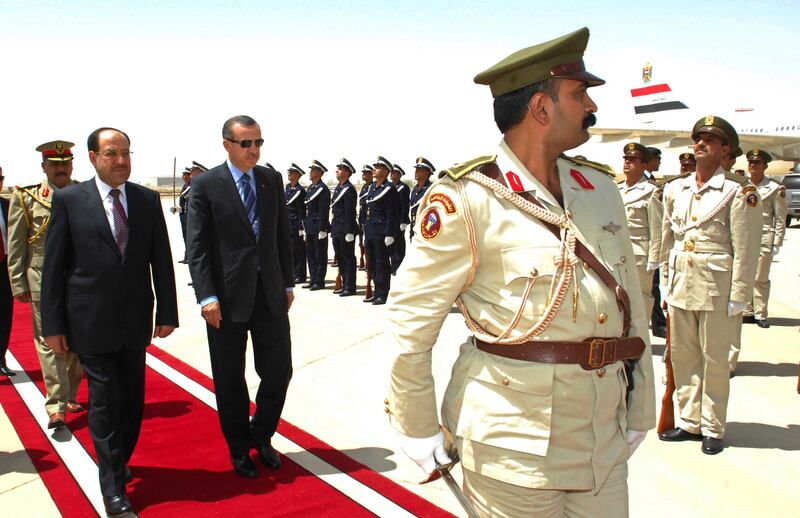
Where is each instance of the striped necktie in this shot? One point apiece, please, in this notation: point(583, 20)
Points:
point(249, 200)
point(120, 222)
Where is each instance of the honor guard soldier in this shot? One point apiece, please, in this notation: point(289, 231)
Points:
point(642, 200)
point(708, 261)
point(658, 321)
point(344, 225)
point(398, 252)
point(688, 163)
point(423, 170)
point(380, 229)
point(317, 225)
point(537, 399)
point(773, 209)
point(296, 207)
point(28, 219)
point(727, 164)
point(183, 197)
point(654, 164)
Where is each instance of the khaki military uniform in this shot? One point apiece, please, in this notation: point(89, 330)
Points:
point(773, 209)
point(708, 254)
point(28, 218)
point(528, 425)
point(644, 211)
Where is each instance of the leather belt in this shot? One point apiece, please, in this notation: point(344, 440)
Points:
point(592, 353)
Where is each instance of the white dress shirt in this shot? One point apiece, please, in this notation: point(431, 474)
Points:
point(108, 200)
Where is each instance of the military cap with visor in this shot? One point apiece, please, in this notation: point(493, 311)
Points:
point(347, 165)
point(56, 151)
point(367, 167)
point(560, 58)
point(686, 157)
point(296, 169)
point(399, 169)
point(382, 162)
point(716, 126)
point(318, 165)
point(424, 163)
point(636, 150)
point(758, 154)
point(203, 169)
point(654, 152)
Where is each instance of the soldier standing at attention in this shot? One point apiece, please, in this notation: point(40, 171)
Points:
point(708, 261)
point(423, 170)
point(398, 252)
point(773, 209)
point(183, 204)
point(642, 200)
point(343, 227)
point(28, 220)
point(296, 209)
point(658, 321)
point(380, 229)
point(537, 398)
point(317, 225)
point(366, 177)
point(688, 163)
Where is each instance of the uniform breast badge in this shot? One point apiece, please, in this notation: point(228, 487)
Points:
point(431, 223)
point(752, 199)
point(447, 203)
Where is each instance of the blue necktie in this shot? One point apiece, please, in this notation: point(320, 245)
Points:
point(249, 200)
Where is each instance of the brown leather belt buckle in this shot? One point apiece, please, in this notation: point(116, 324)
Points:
point(601, 352)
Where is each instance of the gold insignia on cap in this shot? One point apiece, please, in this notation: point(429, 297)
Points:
point(756, 151)
point(631, 146)
point(709, 120)
point(60, 146)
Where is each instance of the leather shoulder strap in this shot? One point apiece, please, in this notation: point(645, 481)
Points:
point(492, 171)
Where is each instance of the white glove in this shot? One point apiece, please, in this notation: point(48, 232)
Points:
point(634, 439)
point(173, 209)
point(426, 452)
point(322, 235)
point(349, 238)
point(651, 267)
point(663, 291)
point(388, 240)
point(775, 250)
point(734, 308)
point(403, 227)
point(302, 232)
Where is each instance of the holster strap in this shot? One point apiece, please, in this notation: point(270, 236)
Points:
point(591, 353)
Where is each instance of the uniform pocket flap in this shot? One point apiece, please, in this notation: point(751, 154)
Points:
point(525, 262)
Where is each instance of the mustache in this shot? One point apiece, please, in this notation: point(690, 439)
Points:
point(589, 121)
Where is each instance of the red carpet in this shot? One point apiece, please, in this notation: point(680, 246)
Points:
point(181, 465)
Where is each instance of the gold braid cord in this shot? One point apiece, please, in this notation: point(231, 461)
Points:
point(28, 221)
point(565, 263)
point(728, 197)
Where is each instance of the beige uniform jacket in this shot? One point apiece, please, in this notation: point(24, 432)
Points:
point(710, 245)
point(773, 208)
point(28, 216)
point(644, 212)
point(531, 424)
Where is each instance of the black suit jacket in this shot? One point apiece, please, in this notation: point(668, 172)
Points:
point(102, 301)
point(224, 255)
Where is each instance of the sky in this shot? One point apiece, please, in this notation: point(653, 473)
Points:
point(353, 79)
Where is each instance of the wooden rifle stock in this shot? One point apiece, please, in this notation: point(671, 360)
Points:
point(368, 289)
point(362, 250)
point(338, 284)
point(667, 419)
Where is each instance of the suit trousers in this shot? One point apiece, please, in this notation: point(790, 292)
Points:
point(6, 310)
point(299, 255)
point(346, 257)
point(701, 342)
point(317, 253)
point(116, 405)
point(379, 267)
point(492, 497)
point(272, 356)
point(398, 252)
point(61, 373)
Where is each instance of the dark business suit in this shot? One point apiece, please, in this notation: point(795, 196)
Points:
point(249, 275)
point(103, 302)
point(343, 209)
point(6, 298)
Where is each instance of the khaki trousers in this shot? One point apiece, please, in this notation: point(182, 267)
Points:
point(700, 343)
point(761, 286)
point(646, 282)
point(736, 343)
point(61, 372)
point(491, 497)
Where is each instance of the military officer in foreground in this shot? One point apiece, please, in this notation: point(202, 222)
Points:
point(398, 252)
point(642, 200)
point(423, 169)
point(317, 225)
point(537, 400)
point(688, 163)
point(380, 229)
point(343, 227)
point(28, 220)
point(708, 257)
point(773, 211)
point(296, 208)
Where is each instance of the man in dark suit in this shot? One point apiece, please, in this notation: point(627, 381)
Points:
point(343, 227)
point(106, 250)
point(240, 259)
point(6, 299)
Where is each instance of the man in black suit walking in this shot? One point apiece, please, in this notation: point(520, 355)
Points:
point(240, 258)
point(6, 299)
point(106, 250)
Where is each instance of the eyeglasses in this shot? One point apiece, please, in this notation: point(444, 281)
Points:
point(112, 155)
point(247, 143)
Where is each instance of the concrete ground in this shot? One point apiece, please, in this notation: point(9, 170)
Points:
point(340, 373)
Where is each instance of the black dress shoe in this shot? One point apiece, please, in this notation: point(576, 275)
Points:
point(347, 293)
point(678, 435)
point(732, 375)
point(128, 474)
point(370, 299)
point(378, 301)
point(660, 331)
point(307, 285)
point(316, 287)
point(336, 292)
point(763, 323)
point(183, 261)
point(269, 456)
point(748, 319)
point(298, 280)
point(117, 504)
point(244, 466)
point(5, 371)
point(711, 446)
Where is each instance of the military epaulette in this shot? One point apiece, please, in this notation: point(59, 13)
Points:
point(33, 192)
point(603, 168)
point(459, 170)
point(741, 180)
point(683, 175)
point(771, 179)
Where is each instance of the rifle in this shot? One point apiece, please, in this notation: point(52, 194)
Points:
point(666, 420)
point(338, 285)
point(361, 249)
point(368, 289)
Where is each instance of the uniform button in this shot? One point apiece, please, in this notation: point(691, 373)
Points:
point(602, 318)
point(697, 197)
point(386, 401)
point(601, 372)
point(694, 218)
point(505, 382)
point(569, 214)
point(623, 258)
point(387, 410)
point(585, 265)
point(690, 262)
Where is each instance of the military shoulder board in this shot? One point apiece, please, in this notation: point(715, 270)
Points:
point(464, 168)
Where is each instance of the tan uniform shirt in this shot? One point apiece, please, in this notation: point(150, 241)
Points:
point(773, 208)
point(531, 424)
point(644, 211)
point(710, 245)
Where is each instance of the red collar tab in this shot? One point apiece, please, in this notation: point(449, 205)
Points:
point(514, 182)
point(582, 181)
